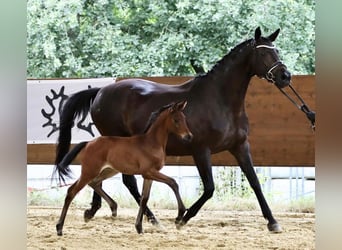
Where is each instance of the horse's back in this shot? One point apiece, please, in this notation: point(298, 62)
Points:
point(123, 108)
point(147, 87)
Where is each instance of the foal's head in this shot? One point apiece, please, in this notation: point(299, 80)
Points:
point(176, 121)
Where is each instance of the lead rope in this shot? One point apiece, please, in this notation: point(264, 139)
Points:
point(311, 115)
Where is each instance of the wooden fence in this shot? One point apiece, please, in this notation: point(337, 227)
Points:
point(280, 134)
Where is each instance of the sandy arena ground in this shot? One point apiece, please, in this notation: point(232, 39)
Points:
point(208, 230)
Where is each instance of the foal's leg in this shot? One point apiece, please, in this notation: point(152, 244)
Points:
point(157, 176)
point(72, 191)
point(131, 183)
point(112, 204)
point(145, 195)
point(243, 156)
point(95, 205)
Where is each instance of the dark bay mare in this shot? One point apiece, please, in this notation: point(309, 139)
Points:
point(143, 154)
point(215, 113)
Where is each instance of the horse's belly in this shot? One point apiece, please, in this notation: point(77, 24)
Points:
point(106, 172)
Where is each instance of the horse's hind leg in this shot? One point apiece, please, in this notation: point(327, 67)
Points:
point(112, 204)
point(203, 162)
point(72, 191)
point(131, 183)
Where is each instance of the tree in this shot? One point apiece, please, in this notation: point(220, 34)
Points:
point(145, 38)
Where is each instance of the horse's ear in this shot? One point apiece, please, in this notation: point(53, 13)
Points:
point(257, 33)
point(274, 35)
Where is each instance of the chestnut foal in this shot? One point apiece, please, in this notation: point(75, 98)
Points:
point(143, 154)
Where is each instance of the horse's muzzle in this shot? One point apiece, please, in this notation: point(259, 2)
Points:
point(282, 78)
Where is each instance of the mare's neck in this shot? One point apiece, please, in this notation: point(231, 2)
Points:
point(230, 77)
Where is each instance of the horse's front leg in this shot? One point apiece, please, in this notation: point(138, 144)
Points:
point(145, 195)
point(131, 183)
point(243, 157)
point(203, 162)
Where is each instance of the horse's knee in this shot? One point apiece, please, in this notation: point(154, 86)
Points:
point(209, 192)
point(174, 185)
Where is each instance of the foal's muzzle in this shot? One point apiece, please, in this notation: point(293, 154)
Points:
point(187, 137)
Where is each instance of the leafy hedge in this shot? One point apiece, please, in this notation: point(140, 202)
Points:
point(88, 38)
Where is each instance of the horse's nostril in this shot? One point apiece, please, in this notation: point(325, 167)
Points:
point(286, 75)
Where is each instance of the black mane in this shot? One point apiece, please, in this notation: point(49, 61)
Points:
point(227, 60)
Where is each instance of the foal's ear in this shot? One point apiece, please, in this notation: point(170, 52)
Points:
point(182, 105)
point(274, 35)
point(179, 106)
point(257, 33)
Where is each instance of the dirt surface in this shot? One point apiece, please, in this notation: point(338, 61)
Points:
point(208, 230)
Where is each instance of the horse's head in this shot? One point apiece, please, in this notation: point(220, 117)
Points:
point(177, 121)
point(267, 63)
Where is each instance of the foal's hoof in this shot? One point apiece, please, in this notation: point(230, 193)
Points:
point(274, 228)
point(179, 224)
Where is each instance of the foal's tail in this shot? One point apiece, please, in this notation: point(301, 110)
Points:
point(78, 104)
point(62, 168)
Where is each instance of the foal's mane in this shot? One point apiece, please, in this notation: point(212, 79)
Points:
point(226, 61)
point(154, 115)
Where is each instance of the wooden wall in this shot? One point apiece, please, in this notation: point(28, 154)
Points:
point(280, 134)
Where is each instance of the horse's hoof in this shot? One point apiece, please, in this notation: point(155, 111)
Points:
point(139, 229)
point(274, 228)
point(59, 230)
point(153, 221)
point(88, 215)
point(179, 224)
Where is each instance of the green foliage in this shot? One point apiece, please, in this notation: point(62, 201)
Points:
point(90, 38)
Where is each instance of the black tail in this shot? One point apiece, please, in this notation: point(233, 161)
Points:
point(78, 104)
point(62, 168)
